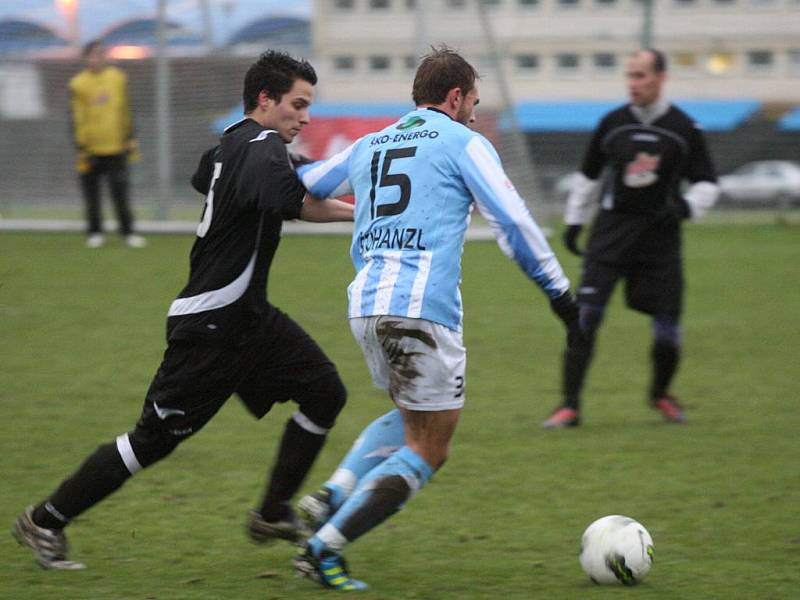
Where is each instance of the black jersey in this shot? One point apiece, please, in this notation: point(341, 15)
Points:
point(640, 167)
point(251, 188)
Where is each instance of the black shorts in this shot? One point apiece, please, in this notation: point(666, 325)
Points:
point(278, 362)
point(652, 288)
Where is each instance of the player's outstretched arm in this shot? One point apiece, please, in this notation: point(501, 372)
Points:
point(325, 211)
point(328, 178)
point(518, 235)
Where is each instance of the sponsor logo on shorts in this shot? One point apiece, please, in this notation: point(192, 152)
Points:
point(163, 413)
point(186, 431)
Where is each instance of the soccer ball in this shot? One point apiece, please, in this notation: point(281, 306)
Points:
point(616, 549)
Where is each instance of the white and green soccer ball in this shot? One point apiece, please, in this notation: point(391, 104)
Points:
point(616, 550)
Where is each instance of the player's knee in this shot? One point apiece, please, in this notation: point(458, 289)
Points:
point(667, 330)
point(151, 444)
point(324, 400)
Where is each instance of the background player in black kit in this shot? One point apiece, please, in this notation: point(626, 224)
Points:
point(223, 336)
point(636, 161)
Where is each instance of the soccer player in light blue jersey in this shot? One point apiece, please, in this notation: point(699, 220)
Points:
point(415, 185)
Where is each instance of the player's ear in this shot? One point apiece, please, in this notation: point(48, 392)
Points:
point(264, 99)
point(454, 97)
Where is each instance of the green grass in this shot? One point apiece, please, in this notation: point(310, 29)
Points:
point(81, 333)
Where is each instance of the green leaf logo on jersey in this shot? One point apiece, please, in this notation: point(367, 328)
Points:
point(412, 122)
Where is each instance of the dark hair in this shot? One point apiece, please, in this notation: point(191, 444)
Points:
point(659, 60)
point(439, 72)
point(89, 46)
point(275, 73)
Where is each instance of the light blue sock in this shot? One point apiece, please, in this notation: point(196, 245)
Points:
point(380, 493)
point(379, 440)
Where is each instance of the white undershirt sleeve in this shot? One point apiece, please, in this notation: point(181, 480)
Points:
point(582, 200)
point(700, 197)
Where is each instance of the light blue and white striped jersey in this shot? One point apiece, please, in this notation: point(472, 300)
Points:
point(415, 183)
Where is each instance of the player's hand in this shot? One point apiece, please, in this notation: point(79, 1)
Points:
point(83, 162)
point(571, 239)
point(566, 308)
point(681, 208)
point(134, 154)
point(298, 160)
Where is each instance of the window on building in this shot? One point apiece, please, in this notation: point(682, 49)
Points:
point(380, 4)
point(604, 61)
point(456, 3)
point(720, 63)
point(684, 60)
point(794, 60)
point(344, 4)
point(685, 2)
point(760, 60)
point(725, 2)
point(411, 3)
point(568, 62)
point(528, 3)
point(527, 62)
point(568, 3)
point(491, 3)
point(410, 62)
point(379, 63)
point(344, 64)
point(605, 2)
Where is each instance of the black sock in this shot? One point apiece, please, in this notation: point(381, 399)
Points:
point(298, 451)
point(386, 498)
point(575, 364)
point(100, 475)
point(665, 357)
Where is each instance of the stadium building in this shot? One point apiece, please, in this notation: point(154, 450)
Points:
point(561, 49)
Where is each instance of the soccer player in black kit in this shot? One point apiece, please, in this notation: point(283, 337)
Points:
point(223, 336)
point(637, 159)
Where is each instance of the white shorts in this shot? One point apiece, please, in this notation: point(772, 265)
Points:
point(421, 363)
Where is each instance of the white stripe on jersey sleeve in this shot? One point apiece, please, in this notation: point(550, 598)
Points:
point(328, 178)
point(517, 233)
point(388, 278)
point(420, 281)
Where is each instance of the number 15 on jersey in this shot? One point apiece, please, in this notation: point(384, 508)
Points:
point(387, 179)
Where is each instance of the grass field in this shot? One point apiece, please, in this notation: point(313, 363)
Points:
point(81, 333)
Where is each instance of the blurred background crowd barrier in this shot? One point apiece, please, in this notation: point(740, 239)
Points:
point(542, 96)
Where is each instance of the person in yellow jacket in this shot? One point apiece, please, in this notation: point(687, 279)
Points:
point(103, 134)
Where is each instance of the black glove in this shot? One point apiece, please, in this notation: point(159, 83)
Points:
point(571, 239)
point(566, 308)
point(681, 208)
point(298, 160)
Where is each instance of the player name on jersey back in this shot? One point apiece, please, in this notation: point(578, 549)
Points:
point(391, 238)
